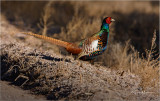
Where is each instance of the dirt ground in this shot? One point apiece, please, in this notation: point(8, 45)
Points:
point(10, 92)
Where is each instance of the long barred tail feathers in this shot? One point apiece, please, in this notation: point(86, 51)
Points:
point(49, 39)
point(70, 47)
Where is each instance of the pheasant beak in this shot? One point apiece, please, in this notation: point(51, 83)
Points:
point(112, 20)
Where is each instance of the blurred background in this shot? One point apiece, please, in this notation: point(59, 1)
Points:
point(76, 20)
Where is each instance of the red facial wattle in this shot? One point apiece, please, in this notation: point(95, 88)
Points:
point(108, 20)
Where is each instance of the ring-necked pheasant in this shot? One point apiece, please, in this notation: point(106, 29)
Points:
point(88, 48)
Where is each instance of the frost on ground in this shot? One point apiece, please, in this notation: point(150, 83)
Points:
point(59, 77)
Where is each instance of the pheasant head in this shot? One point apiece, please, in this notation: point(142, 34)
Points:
point(105, 23)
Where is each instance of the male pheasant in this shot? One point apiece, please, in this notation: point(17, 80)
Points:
point(88, 48)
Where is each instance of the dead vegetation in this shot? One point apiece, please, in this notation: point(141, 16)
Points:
point(121, 73)
point(44, 20)
point(146, 67)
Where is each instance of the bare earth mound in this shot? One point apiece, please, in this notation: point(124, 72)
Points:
point(61, 78)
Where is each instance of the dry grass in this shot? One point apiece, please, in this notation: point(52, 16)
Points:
point(85, 28)
point(119, 58)
point(126, 58)
point(45, 23)
point(121, 72)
